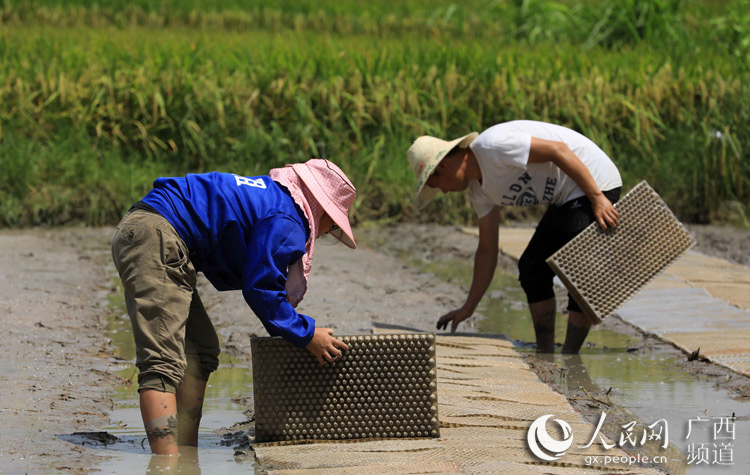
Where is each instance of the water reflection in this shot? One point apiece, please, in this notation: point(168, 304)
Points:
point(187, 462)
point(577, 377)
point(619, 370)
point(223, 425)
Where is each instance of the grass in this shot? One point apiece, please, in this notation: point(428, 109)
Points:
point(95, 102)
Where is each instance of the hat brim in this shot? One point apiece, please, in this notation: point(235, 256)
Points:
point(438, 152)
point(344, 233)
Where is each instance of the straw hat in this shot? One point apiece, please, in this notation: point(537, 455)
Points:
point(424, 156)
point(333, 190)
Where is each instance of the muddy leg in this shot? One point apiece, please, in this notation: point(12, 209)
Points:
point(190, 409)
point(159, 412)
point(578, 330)
point(543, 316)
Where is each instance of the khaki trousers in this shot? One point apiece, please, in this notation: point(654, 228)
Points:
point(172, 331)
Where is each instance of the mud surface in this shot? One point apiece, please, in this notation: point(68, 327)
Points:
point(728, 243)
point(58, 369)
point(55, 370)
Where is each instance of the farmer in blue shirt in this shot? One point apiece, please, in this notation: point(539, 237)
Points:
point(255, 234)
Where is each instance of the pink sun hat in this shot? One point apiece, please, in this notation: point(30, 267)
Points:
point(333, 190)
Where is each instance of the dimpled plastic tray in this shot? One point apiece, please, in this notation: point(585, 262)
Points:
point(384, 386)
point(602, 269)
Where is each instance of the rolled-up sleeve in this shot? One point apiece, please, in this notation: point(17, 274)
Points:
point(275, 243)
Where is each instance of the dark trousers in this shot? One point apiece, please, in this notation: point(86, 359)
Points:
point(559, 225)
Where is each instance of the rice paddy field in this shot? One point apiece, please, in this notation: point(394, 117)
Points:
point(97, 99)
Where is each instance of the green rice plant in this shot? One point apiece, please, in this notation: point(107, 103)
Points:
point(733, 30)
point(118, 105)
point(539, 20)
point(340, 17)
point(611, 23)
point(67, 181)
point(625, 21)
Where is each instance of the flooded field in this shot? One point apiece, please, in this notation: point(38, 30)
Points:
point(216, 451)
point(70, 382)
point(220, 448)
point(639, 378)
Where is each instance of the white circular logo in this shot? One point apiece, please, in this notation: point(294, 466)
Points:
point(545, 444)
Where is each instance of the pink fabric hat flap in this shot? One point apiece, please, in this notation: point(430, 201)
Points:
point(333, 190)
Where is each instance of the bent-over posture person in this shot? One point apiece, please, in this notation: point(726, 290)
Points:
point(521, 163)
point(254, 234)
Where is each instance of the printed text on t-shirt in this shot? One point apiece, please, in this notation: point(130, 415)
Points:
point(518, 196)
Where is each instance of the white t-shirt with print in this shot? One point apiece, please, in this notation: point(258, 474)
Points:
point(509, 180)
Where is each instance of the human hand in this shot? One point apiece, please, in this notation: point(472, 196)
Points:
point(324, 346)
point(604, 213)
point(455, 317)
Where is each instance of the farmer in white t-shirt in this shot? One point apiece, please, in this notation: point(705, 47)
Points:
point(523, 163)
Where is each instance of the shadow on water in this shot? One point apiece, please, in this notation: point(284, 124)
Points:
point(639, 384)
point(123, 446)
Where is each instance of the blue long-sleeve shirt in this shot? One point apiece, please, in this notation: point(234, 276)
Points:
point(242, 233)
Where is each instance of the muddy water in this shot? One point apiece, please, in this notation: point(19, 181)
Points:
point(130, 452)
point(645, 385)
point(634, 380)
